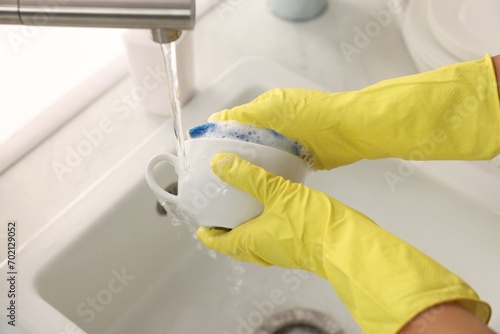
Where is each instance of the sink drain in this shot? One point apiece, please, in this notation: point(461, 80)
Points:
point(299, 321)
point(171, 189)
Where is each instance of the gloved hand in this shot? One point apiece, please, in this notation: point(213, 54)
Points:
point(452, 113)
point(381, 279)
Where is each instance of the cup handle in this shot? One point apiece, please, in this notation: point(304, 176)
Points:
point(153, 185)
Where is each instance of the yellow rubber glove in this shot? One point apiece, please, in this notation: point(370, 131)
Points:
point(382, 280)
point(452, 113)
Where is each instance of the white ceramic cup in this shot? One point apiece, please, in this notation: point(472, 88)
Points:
point(204, 196)
point(297, 10)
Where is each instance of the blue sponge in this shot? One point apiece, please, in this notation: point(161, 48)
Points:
point(249, 133)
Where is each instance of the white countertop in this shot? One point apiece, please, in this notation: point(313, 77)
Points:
point(32, 192)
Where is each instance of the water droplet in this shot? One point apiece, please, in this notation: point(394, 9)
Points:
point(212, 253)
point(236, 278)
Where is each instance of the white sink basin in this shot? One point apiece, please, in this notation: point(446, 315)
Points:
point(111, 264)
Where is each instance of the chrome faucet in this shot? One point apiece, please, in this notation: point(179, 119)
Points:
point(165, 18)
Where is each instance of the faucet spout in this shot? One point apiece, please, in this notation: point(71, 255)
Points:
point(164, 36)
point(166, 18)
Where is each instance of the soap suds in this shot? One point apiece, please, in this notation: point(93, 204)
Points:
point(249, 133)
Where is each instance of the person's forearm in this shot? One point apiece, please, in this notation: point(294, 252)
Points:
point(496, 64)
point(449, 318)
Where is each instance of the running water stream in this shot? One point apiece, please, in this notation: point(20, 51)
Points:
point(170, 63)
point(176, 215)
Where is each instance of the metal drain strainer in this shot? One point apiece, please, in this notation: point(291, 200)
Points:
point(299, 321)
